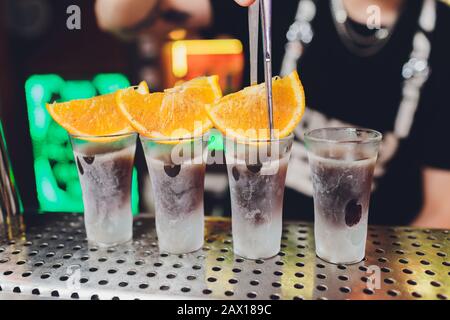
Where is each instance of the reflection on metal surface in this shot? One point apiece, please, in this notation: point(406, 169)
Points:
point(56, 261)
point(10, 206)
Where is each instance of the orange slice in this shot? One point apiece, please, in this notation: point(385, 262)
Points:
point(96, 116)
point(244, 114)
point(178, 112)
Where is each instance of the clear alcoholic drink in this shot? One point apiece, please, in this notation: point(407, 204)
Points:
point(105, 166)
point(256, 175)
point(342, 162)
point(177, 172)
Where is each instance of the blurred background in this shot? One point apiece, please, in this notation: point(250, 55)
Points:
point(43, 61)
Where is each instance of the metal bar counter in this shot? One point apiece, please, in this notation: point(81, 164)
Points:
point(55, 261)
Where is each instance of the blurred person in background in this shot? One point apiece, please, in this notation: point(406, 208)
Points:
point(381, 64)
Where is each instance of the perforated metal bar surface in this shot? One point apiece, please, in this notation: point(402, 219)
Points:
point(55, 260)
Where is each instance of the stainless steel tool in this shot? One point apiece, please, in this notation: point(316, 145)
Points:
point(253, 18)
point(253, 27)
point(266, 15)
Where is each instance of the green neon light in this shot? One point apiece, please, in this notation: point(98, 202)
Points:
point(215, 140)
point(57, 182)
point(108, 83)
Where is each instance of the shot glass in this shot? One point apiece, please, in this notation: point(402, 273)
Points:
point(105, 166)
point(342, 162)
point(256, 174)
point(177, 173)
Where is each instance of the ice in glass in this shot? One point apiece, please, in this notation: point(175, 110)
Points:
point(342, 162)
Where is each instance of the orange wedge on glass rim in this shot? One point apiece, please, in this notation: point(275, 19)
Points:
point(93, 117)
point(243, 115)
point(178, 112)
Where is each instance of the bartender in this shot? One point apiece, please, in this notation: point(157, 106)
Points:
point(381, 64)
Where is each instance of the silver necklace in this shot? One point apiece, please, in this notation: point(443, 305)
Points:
point(355, 42)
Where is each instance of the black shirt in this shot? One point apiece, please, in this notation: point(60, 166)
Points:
point(346, 89)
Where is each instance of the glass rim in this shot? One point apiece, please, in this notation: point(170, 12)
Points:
point(87, 136)
point(265, 140)
point(173, 139)
point(377, 136)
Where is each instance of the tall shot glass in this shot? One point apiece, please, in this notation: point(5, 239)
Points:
point(342, 162)
point(256, 174)
point(177, 173)
point(105, 166)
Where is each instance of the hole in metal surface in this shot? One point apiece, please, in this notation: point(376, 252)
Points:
point(435, 284)
point(229, 293)
point(416, 295)
point(368, 291)
point(393, 293)
point(276, 284)
point(75, 296)
point(430, 272)
point(298, 286)
point(254, 282)
point(321, 287)
point(344, 289)
point(407, 271)
point(251, 295)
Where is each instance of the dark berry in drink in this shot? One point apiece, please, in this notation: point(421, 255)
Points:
point(254, 168)
point(89, 159)
point(353, 212)
point(80, 167)
point(235, 173)
point(172, 170)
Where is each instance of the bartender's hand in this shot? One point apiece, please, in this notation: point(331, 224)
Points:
point(245, 3)
point(117, 15)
